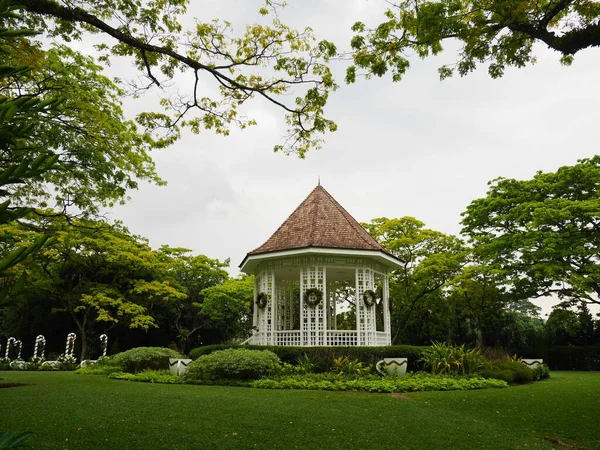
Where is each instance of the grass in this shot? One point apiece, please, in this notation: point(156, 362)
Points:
point(68, 411)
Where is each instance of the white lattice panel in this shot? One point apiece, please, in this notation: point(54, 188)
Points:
point(312, 324)
point(265, 316)
point(365, 316)
point(386, 311)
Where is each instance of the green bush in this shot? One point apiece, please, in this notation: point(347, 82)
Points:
point(142, 358)
point(509, 371)
point(573, 358)
point(322, 357)
point(234, 364)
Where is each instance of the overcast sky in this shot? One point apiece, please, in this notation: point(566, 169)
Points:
point(420, 147)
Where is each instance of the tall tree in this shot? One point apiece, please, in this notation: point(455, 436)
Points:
point(500, 33)
point(543, 233)
point(193, 274)
point(98, 275)
point(226, 309)
point(484, 311)
point(18, 119)
point(430, 259)
point(266, 61)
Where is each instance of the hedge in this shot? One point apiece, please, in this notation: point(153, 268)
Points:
point(324, 356)
point(573, 358)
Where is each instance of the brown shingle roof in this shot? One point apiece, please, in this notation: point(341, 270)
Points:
point(319, 221)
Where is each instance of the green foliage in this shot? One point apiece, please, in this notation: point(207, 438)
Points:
point(18, 119)
point(149, 376)
point(322, 357)
point(499, 33)
point(443, 358)
point(347, 366)
point(226, 308)
point(509, 371)
point(408, 383)
point(573, 358)
point(144, 358)
point(234, 364)
point(192, 275)
point(13, 440)
point(66, 362)
point(541, 372)
point(104, 366)
point(102, 157)
point(269, 61)
point(305, 364)
point(98, 275)
point(430, 258)
point(541, 234)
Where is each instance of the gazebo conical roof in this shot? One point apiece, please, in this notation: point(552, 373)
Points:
point(319, 222)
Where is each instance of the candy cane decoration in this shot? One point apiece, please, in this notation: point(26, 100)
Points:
point(40, 345)
point(103, 344)
point(19, 346)
point(9, 344)
point(70, 348)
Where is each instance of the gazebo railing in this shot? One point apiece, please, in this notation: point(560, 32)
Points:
point(327, 338)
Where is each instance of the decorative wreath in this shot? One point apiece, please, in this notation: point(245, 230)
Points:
point(369, 298)
point(312, 297)
point(262, 299)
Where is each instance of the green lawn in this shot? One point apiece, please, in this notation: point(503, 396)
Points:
point(67, 411)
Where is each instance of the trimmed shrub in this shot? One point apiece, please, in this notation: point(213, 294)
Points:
point(509, 371)
point(143, 358)
point(234, 364)
point(323, 357)
point(573, 358)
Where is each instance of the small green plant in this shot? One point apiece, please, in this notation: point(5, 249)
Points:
point(305, 364)
point(347, 366)
point(443, 358)
point(13, 440)
point(234, 364)
point(541, 372)
point(66, 362)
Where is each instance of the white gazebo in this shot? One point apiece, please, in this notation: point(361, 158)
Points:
point(321, 280)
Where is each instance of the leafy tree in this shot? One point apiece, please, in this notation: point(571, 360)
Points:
point(485, 313)
point(18, 117)
point(430, 259)
point(265, 61)
point(542, 234)
point(100, 276)
point(226, 308)
point(573, 326)
point(100, 155)
point(192, 274)
point(498, 32)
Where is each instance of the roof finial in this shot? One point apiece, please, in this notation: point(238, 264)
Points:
point(319, 180)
